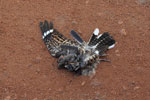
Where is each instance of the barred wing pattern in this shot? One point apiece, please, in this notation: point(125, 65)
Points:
point(54, 39)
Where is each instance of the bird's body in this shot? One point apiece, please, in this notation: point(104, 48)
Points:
point(76, 55)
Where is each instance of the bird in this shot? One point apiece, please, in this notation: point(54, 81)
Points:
point(76, 55)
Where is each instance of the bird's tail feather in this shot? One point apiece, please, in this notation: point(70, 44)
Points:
point(105, 41)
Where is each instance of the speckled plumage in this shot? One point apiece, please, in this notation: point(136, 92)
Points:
point(76, 55)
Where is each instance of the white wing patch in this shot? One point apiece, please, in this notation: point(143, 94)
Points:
point(97, 52)
point(47, 33)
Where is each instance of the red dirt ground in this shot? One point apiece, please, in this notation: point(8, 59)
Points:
point(28, 72)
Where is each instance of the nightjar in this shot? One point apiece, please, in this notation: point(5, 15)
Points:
point(76, 55)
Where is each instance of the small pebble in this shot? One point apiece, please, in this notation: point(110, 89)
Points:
point(74, 22)
point(49, 89)
point(83, 83)
point(116, 51)
point(99, 14)
point(60, 90)
point(136, 88)
point(87, 1)
point(38, 70)
point(120, 22)
point(118, 55)
point(8, 98)
point(124, 88)
point(123, 32)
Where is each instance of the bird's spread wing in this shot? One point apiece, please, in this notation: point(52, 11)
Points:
point(54, 39)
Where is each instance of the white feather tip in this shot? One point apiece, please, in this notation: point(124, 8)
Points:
point(112, 46)
point(97, 52)
point(96, 31)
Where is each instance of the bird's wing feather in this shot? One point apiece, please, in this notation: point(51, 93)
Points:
point(53, 39)
point(76, 36)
